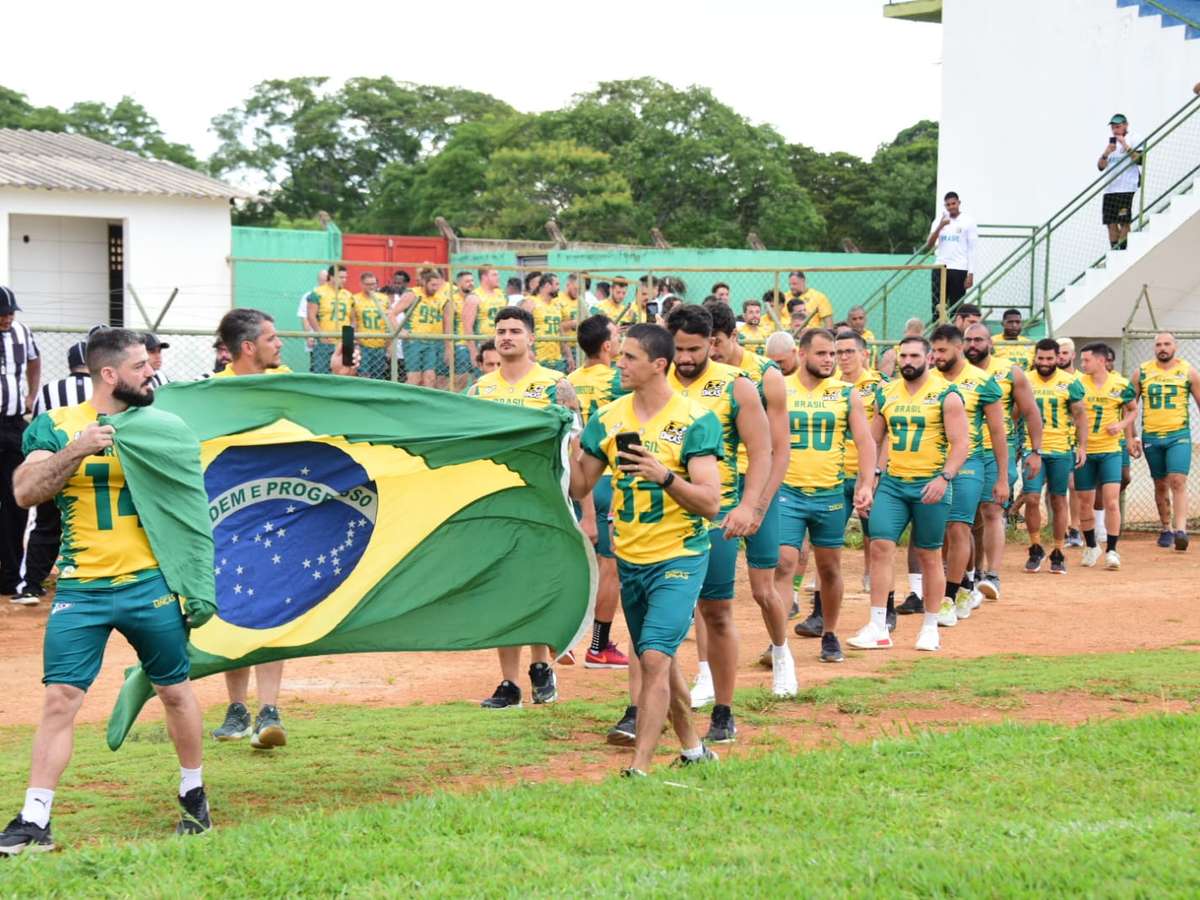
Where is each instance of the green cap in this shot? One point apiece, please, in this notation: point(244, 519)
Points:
point(1118, 119)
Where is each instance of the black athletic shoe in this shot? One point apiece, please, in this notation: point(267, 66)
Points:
point(237, 724)
point(543, 682)
point(195, 818)
point(269, 732)
point(722, 729)
point(28, 597)
point(1181, 541)
point(624, 732)
point(1034, 563)
point(507, 696)
point(831, 649)
point(889, 617)
point(912, 605)
point(1058, 563)
point(706, 756)
point(20, 836)
point(813, 626)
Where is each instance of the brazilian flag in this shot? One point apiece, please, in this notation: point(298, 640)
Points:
point(352, 516)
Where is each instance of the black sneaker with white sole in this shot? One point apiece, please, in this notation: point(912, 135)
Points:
point(237, 724)
point(506, 696)
point(624, 733)
point(721, 729)
point(27, 597)
point(813, 626)
point(20, 836)
point(831, 649)
point(706, 756)
point(1058, 563)
point(1036, 555)
point(545, 685)
point(912, 605)
point(269, 732)
point(889, 617)
point(194, 817)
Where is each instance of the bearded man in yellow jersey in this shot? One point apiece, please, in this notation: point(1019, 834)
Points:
point(110, 578)
point(663, 451)
point(762, 547)
point(521, 382)
point(921, 435)
point(424, 312)
point(370, 315)
point(752, 331)
point(1016, 397)
point(330, 307)
point(618, 307)
point(569, 301)
point(822, 411)
point(1164, 386)
point(817, 306)
point(489, 300)
point(548, 323)
point(1064, 443)
point(732, 398)
point(460, 316)
point(1110, 403)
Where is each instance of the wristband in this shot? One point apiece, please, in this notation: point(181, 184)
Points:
point(949, 478)
point(667, 481)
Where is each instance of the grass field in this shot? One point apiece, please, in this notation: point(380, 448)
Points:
point(441, 799)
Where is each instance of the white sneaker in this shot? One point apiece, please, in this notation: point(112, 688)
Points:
point(962, 604)
point(703, 692)
point(1112, 560)
point(927, 639)
point(947, 617)
point(990, 590)
point(783, 676)
point(871, 637)
point(976, 598)
point(1091, 556)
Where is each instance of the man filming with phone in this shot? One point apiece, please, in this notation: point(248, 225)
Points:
point(956, 236)
point(1116, 213)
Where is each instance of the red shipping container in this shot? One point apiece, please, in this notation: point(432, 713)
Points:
point(389, 250)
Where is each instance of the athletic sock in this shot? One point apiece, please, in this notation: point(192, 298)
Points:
point(705, 671)
point(37, 806)
point(693, 753)
point(189, 779)
point(1101, 529)
point(914, 584)
point(780, 652)
point(816, 603)
point(1112, 542)
point(600, 633)
point(929, 620)
point(879, 616)
point(951, 589)
point(891, 602)
point(797, 582)
point(1089, 537)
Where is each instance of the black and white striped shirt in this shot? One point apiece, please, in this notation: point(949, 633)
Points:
point(159, 379)
point(69, 391)
point(17, 349)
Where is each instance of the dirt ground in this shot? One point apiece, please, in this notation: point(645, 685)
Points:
point(1152, 602)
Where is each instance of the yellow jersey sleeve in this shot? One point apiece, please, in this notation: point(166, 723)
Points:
point(869, 388)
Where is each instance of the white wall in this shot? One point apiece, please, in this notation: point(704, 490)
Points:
point(169, 243)
point(1028, 87)
point(58, 267)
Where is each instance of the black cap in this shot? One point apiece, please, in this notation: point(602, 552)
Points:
point(8, 301)
point(77, 355)
point(152, 343)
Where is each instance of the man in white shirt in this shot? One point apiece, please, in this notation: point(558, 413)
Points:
point(956, 237)
point(1117, 210)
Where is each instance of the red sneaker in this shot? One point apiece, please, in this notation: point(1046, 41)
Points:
point(608, 658)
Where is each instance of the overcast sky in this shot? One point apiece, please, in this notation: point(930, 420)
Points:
point(833, 74)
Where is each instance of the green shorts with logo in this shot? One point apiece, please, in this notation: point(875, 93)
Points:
point(1168, 454)
point(659, 600)
point(819, 514)
point(898, 502)
point(1056, 471)
point(762, 547)
point(1098, 469)
point(145, 612)
point(968, 489)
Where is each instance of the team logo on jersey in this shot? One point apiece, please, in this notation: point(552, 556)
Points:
point(290, 522)
point(673, 433)
point(677, 575)
point(59, 607)
point(831, 395)
point(713, 389)
point(535, 392)
point(488, 389)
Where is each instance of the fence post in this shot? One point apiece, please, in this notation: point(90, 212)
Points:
point(1032, 265)
point(1142, 188)
point(884, 330)
point(775, 301)
point(942, 297)
point(1046, 271)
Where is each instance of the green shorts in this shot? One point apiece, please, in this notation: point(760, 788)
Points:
point(1100, 468)
point(424, 356)
point(849, 486)
point(991, 472)
point(319, 360)
point(659, 600)
point(762, 547)
point(968, 489)
point(722, 565)
point(1125, 462)
point(602, 498)
point(145, 612)
point(375, 363)
point(1056, 470)
point(898, 502)
point(1168, 454)
point(463, 364)
point(819, 514)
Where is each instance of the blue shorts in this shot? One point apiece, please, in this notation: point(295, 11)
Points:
point(375, 363)
point(849, 486)
point(1098, 469)
point(762, 547)
point(659, 600)
point(463, 364)
point(1056, 470)
point(819, 514)
point(898, 502)
point(968, 489)
point(424, 356)
point(722, 565)
point(602, 498)
point(1168, 454)
point(319, 360)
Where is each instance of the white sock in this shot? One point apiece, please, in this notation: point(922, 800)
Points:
point(795, 598)
point(705, 671)
point(867, 582)
point(189, 779)
point(694, 752)
point(930, 620)
point(914, 584)
point(969, 575)
point(879, 616)
point(1101, 530)
point(37, 806)
point(780, 652)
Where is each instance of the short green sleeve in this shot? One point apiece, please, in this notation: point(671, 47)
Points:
point(1075, 391)
point(703, 438)
point(615, 389)
point(42, 435)
point(552, 393)
point(879, 396)
point(950, 389)
point(1128, 395)
point(592, 438)
point(990, 391)
point(313, 298)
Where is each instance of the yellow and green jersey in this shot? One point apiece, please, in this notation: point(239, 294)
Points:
point(228, 372)
point(977, 389)
point(648, 525)
point(1001, 370)
point(102, 538)
point(816, 303)
point(1104, 406)
point(425, 315)
point(1019, 351)
point(753, 367)
point(622, 313)
point(818, 420)
point(714, 391)
point(1054, 397)
point(596, 387)
point(869, 387)
point(335, 309)
point(490, 305)
point(755, 336)
point(1166, 397)
point(547, 323)
point(538, 389)
point(916, 428)
point(371, 310)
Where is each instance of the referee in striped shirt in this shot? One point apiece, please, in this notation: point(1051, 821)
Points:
point(41, 550)
point(20, 375)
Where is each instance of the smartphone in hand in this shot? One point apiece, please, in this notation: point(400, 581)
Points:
point(347, 345)
point(626, 440)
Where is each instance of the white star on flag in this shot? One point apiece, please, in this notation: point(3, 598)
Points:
point(237, 588)
point(276, 559)
point(304, 471)
point(308, 564)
